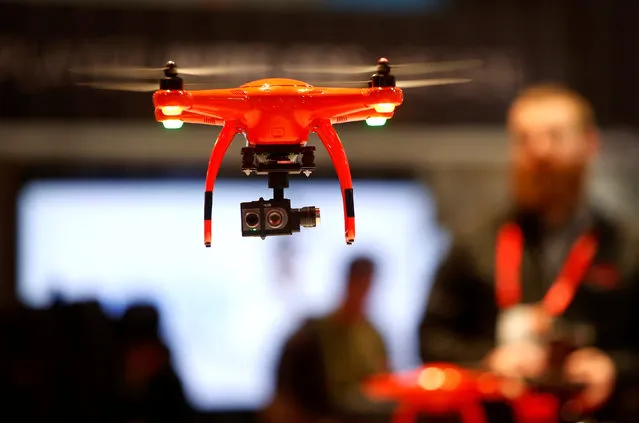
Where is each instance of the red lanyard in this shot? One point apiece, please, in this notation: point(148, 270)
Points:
point(508, 258)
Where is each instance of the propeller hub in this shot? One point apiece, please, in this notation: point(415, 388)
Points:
point(383, 66)
point(170, 69)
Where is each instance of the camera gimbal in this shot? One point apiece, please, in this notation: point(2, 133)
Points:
point(264, 218)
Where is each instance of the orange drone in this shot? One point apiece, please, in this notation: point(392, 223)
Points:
point(276, 116)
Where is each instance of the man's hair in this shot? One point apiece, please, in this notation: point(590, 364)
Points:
point(361, 266)
point(547, 90)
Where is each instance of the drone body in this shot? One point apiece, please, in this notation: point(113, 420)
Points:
point(277, 113)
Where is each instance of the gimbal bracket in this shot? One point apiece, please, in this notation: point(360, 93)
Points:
point(290, 159)
point(278, 161)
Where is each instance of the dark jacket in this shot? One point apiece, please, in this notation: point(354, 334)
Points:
point(301, 373)
point(460, 318)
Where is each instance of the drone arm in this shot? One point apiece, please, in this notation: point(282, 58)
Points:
point(333, 145)
point(224, 104)
point(187, 116)
point(224, 140)
point(335, 102)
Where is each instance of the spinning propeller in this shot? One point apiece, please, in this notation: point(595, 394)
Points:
point(398, 69)
point(150, 73)
point(168, 75)
point(169, 78)
point(382, 73)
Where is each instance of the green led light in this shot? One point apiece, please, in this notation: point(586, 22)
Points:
point(376, 121)
point(172, 124)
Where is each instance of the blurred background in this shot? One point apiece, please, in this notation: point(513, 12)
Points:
point(100, 206)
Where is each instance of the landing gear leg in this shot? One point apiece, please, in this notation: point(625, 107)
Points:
point(333, 145)
point(224, 140)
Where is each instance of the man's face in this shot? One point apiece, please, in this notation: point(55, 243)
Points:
point(550, 150)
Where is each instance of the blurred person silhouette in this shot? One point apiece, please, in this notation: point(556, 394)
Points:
point(552, 264)
point(149, 388)
point(26, 365)
point(84, 353)
point(324, 362)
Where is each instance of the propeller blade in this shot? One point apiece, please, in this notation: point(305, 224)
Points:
point(431, 82)
point(122, 86)
point(401, 84)
point(224, 70)
point(137, 86)
point(344, 70)
point(132, 72)
point(119, 72)
point(396, 69)
point(433, 67)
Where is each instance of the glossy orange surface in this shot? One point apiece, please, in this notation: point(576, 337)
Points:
point(277, 110)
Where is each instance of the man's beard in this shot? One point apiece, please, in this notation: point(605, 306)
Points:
point(542, 191)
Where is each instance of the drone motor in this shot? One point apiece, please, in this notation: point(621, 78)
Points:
point(171, 80)
point(382, 77)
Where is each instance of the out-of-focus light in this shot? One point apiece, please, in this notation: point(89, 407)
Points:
point(172, 124)
point(384, 107)
point(452, 379)
point(172, 110)
point(376, 121)
point(431, 378)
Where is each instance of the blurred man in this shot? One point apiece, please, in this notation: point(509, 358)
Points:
point(150, 390)
point(552, 261)
point(325, 361)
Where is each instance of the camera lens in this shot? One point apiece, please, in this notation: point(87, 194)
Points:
point(252, 220)
point(309, 216)
point(275, 219)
